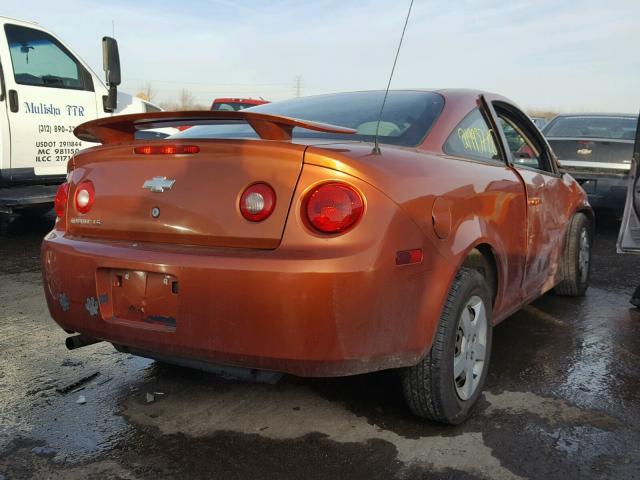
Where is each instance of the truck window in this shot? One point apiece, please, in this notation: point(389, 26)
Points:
point(39, 59)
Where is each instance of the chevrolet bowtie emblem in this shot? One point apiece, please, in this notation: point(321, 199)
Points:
point(158, 184)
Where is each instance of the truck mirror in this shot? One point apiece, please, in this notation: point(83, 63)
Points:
point(111, 61)
point(111, 67)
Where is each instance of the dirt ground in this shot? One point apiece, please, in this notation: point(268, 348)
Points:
point(562, 401)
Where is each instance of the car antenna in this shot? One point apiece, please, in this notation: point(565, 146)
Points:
point(376, 147)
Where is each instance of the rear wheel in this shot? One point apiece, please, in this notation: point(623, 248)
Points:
point(575, 265)
point(446, 384)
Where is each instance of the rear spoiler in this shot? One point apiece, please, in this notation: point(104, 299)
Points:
point(122, 128)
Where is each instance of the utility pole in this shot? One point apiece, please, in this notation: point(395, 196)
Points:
point(298, 86)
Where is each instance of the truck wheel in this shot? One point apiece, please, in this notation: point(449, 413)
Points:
point(446, 384)
point(575, 264)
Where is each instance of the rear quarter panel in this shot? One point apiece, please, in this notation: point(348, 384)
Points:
point(475, 203)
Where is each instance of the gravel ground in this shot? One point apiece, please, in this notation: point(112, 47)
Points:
point(562, 401)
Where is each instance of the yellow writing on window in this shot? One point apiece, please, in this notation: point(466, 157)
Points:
point(477, 140)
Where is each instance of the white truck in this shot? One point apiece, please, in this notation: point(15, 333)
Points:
point(46, 90)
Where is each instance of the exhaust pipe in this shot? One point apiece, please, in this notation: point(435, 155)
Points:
point(80, 340)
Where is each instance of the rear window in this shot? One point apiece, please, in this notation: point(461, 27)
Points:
point(407, 117)
point(230, 106)
point(614, 128)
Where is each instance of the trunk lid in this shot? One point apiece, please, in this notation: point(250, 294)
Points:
point(593, 154)
point(202, 205)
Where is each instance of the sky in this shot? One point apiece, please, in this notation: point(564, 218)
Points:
point(561, 55)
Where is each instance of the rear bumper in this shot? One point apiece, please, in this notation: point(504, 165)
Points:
point(286, 311)
point(24, 196)
point(606, 191)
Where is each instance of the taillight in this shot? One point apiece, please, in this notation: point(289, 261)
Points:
point(334, 207)
point(166, 149)
point(257, 202)
point(85, 194)
point(60, 200)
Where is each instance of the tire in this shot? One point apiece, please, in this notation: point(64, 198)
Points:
point(635, 298)
point(574, 267)
point(430, 389)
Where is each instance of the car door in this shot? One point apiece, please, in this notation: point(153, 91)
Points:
point(547, 196)
point(49, 93)
point(629, 236)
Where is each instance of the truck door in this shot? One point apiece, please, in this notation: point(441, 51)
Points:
point(629, 237)
point(49, 93)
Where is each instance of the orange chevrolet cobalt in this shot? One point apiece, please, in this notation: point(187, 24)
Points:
point(317, 238)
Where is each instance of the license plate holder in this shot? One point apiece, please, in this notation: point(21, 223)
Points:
point(144, 298)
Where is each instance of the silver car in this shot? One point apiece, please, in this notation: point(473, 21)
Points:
point(629, 237)
point(596, 149)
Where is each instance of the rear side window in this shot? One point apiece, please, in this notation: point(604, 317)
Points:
point(39, 59)
point(472, 139)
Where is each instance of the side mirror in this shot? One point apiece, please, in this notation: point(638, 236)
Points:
point(111, 67)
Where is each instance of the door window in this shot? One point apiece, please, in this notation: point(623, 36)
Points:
point(472, 138)
point(39, 59)
point(526, 150)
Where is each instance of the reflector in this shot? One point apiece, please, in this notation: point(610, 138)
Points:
point(405, 257)
point(60, 200)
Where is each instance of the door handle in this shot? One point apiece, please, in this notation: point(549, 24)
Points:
point(534, 201)
point(14, 105)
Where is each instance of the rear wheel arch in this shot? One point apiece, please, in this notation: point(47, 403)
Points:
point(574, 263)
point(482, 258)
point(588, 212)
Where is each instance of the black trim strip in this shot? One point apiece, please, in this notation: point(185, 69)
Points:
point(3, 88)
point(27, 176)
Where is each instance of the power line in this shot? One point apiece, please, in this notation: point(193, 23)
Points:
point(178, 82)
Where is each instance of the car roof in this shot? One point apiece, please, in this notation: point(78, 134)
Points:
point(448, 93)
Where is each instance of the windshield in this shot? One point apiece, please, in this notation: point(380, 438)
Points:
point(407, 117)
point(615, 128)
